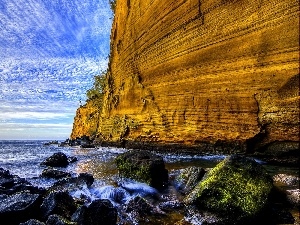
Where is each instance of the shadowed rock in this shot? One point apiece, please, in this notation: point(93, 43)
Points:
point(143, 166)
point(58, 159)
point(54, 173)
point(33, 222)
point(99, 212)
point(19, 207)
point(58, 220)
point(60, 203)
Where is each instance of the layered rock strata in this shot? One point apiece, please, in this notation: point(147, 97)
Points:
point(191, 72)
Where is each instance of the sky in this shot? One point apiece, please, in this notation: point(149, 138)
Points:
point(50, 50)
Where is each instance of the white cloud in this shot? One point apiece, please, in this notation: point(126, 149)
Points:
point(49, 53)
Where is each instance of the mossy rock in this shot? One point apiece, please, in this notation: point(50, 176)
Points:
point(143, 166)
point(237, 188)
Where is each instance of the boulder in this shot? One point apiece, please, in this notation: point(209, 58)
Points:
point(71, 184)
point(293, 197)
point(58, 159)
point(87, 178)
point(286, 179)
point(54, 173)
point(60, 203)
point(139, 205)
point(143, 166)
point(19, 207)
point(238, 189)
point(100, 211)
point(189, 178)
point(58, 220)
point(33, 222)
point(12, 184)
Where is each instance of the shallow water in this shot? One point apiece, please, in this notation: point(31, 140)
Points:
point(23, 158)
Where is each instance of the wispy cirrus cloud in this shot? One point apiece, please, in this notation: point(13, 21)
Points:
point(49, 53)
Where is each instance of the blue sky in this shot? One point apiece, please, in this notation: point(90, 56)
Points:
point(50, 51)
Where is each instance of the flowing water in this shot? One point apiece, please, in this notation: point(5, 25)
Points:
point(23, 158)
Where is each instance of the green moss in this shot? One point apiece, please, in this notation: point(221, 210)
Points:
point(129, 170)
point(238, 188)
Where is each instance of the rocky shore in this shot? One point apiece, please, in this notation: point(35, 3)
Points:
point(237, 191)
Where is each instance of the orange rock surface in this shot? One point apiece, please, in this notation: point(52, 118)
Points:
point(193, 71)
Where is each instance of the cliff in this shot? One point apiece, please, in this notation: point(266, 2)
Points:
point(192, 72)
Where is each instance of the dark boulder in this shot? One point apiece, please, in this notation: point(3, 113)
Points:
point(19, 207)
point(238, 189)
point(100, 211)
point(143, 166)
point(140, 205)
point(60, 203)
point(87, 178)
point(33, 222)
point(54, 173)
point(58, 220)
point(70, 184)
point(12, 184)
point(58, 159)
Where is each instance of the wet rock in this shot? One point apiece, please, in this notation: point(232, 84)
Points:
point(71, 184)
point(189, 178)
point(58, 159)
point(195, 216)
point(100, 211)
point(286, 179)
point(19, 207)
point(171, 205)
point(138, 210)
point(60, 203)
point(183, 222)
point(33, 222)
point(143, 166)
point(12, 184)
point(237, 189)
point(79, 215)
point(87, 178)
point(5, 173)
point(140, 205)
point(58, 220)
point(54, 173)
point(72, 159)
point(51, 143)
point(87, 146)
point(6, 179)
point(279, 216)
point(293, 197)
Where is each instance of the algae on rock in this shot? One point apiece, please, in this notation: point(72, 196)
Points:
point(237, 188)
point(143, 166)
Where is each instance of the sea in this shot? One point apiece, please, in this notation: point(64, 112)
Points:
point(23, 158)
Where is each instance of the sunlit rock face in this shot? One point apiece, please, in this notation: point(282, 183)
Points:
point(190, 71)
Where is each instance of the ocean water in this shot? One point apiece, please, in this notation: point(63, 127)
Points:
point(23, 158)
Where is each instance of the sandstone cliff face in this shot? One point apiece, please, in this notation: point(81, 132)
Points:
point(193, 71)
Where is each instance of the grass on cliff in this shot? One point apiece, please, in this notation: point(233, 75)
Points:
point(96, 93)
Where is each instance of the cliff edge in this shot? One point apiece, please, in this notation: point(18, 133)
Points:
point(199, 72)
